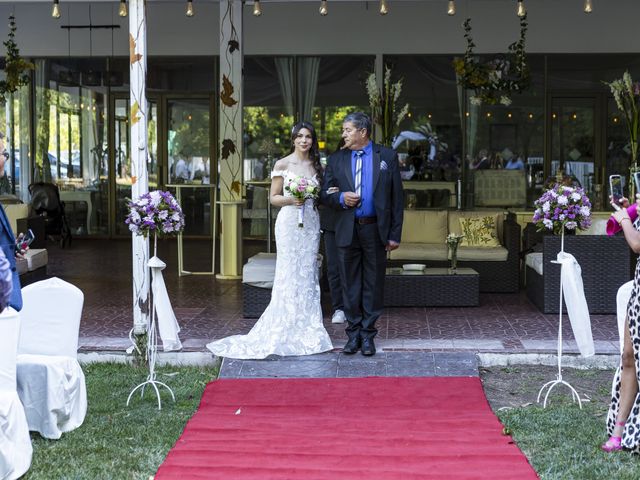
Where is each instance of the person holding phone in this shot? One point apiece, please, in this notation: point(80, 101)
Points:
point(7, 240)
point(623, 419)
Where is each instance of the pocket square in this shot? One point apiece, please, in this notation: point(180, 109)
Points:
point(383, 165)
point(331, 190)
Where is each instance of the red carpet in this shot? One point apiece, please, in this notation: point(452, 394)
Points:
point(345, 428)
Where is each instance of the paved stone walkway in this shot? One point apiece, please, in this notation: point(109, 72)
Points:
point(338, 365)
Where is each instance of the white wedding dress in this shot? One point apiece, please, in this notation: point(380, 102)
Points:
point(292, 322)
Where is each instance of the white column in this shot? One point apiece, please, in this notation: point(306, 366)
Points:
point(230, 152)
point(139, 151)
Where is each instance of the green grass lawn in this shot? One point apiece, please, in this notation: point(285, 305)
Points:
point(116, 441)
point(563, 442)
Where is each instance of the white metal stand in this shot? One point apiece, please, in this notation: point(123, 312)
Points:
point(559, 381)
point(152, 343)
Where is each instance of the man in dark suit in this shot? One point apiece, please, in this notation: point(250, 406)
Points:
point(7, 240)
point(362, 184)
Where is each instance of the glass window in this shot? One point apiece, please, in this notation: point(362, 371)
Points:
point(14, 124)
point(505, 147)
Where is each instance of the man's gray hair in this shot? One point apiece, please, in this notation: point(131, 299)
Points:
point(360, 120)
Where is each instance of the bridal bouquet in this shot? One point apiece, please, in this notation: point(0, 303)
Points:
point(302, 189)
point(562, 207)
point(155, 212)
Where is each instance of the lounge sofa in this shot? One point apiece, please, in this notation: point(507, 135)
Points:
point(424, 235)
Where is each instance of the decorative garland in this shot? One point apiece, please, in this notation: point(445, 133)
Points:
point(16, 68)
point(496, 80)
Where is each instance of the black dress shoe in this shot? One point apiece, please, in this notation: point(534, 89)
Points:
point(352, 346)
point(368, 348)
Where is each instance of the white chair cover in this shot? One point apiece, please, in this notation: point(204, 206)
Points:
point(15, 443)
point(576, 303)
point(51, 383)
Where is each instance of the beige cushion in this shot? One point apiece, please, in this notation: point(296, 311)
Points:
point(36, 258)
point(420, 251)
point(479, 232)
point(22, 266)
point(598, 227)
point(483, 254)
point(14, 212)
point(534, 260)
point(424, 226)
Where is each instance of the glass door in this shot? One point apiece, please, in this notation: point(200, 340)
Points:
point(576, 143)
point(121, 158)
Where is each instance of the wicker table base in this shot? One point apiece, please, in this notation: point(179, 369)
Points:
point(432, 287)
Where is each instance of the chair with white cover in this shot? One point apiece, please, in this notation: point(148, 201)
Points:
point(15, 443)
point(51, 383)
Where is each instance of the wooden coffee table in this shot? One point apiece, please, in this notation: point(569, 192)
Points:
point(432, 287)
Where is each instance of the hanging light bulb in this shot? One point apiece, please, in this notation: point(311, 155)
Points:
point(588, 6)
point(55, 11)
point(451, 8)
point(122, 10)
point(323, 8)
point(189, 8)
point(384, 9)
point(521, 10)
point(257, 9)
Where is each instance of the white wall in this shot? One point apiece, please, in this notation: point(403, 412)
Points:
point(555, 26)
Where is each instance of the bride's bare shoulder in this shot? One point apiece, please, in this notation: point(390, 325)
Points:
point(282, 164)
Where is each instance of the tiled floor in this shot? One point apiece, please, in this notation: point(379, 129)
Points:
point(207, 308)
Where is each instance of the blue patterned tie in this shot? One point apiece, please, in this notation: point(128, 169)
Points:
point(358, 177)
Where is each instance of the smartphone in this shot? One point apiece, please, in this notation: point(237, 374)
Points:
point(615, 186)
point(26, 240)
point(636, 180)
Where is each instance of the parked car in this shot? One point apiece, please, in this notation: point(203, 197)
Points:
point(64, 165)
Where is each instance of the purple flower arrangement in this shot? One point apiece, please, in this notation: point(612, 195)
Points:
point(561, 208)
point(155, 212)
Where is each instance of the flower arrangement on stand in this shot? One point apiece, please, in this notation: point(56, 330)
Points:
point(157, 213)
point(453, 240)
point(562, 208)
point(626, 93)
point(16, 68)
point(300, 188)
point(497, 80)
point(384, 105)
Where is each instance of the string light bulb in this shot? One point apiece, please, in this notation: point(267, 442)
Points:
point(190, 12)
point(451, 8)
point(122, 10)
point(521, 10)
point(55, 11)
point(257, 9)
point(324, 10)
point(588, 6)
point(384, 9)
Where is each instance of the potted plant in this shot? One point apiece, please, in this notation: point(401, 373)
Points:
point(16, 68)
point(384, 105)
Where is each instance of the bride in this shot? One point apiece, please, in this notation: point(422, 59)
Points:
point(292, 322)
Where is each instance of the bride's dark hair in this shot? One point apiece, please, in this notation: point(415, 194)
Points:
point(314, 151)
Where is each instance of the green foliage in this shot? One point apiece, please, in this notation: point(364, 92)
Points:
point(116, 441)
point(191, 133)
point(563, 442)
point(15, 68)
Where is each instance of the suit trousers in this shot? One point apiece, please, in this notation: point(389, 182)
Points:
point(362, 272)
point(333, 270)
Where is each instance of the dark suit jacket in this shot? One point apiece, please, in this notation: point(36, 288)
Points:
point(8, 245)
point(387, 194)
